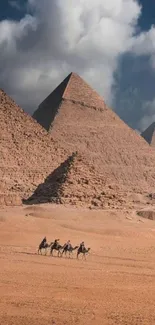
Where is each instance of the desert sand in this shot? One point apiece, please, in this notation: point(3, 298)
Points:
point(115, 285)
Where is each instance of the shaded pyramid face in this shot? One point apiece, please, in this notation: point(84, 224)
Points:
point(27, 152)
point(149, 134)
point(77, 117)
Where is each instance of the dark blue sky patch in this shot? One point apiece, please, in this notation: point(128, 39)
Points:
point(147, 18)
point(13, 12)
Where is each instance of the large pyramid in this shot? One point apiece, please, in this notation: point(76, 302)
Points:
point(149, 134)
point(27, 153)
point(78, 118)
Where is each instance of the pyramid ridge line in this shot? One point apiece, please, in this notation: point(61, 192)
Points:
point(65, 90)
point(148, 133)
point(82, 103)
point(83, 81)
point(18, 109)
point(70, 75)
point(152, 125)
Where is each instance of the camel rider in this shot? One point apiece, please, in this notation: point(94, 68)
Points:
point(82, 246)
point(56, 242)
point(68, 244)
point(44, 241)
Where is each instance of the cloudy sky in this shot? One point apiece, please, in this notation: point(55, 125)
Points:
point(110, 43)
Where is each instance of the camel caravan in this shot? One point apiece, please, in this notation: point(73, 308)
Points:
point(63, 249)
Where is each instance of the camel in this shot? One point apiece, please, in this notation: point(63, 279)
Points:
point(83, 251)
point(43, 245)
point(57, 247)
point(69, 249)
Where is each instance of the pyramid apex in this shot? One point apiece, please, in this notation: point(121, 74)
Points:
point(2, 92)
point(73, 73)
point(78, 90)
point(153, 125)
point(148, 134)
point(72, 89)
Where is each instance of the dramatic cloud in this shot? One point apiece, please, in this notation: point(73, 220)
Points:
point(144, 44)
point(57, 37)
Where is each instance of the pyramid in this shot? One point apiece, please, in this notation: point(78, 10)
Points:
point(71, 90)
point(73, 182)
point(78, 118)
point(149, 134)
point(27, 153)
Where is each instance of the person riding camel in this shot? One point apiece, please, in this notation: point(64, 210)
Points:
point(67, 245)
point(82, 246)
point(44, 241)
point(56, 242)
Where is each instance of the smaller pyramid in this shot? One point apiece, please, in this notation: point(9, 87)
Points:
point(149, 134)
point(73, 182)
point(73, 88)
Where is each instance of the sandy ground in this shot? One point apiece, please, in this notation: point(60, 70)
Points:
point(115, 285)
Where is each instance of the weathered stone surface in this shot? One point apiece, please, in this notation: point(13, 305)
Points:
point(27, 153)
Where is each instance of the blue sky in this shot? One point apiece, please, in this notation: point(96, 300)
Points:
point(136, 73)
point(148, 14)
point(133, 90)
point(9, 11)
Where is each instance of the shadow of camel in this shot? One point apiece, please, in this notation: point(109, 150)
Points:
point(36, 254)
point(26, 253)
point(51, 190)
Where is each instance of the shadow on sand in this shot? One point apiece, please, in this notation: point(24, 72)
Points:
point(36, 254)
point(26, 253)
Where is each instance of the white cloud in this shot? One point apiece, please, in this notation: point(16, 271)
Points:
point(144, 44)
point(84, 36)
